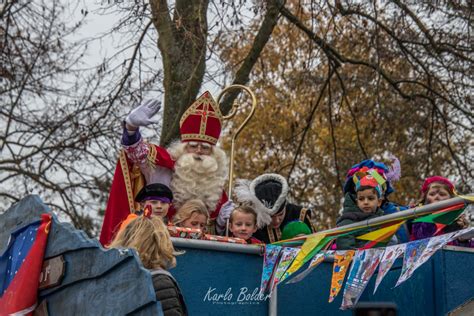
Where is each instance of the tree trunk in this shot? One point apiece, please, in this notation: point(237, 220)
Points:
point(182, 43)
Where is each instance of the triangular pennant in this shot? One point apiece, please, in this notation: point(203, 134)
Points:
point(439, 228)
point(390, 254)
point(317, 260)
point(382, 233)
point(270, 258)
point(413, 252)
point(342, 259)
point(363, 267)
point(463, 232)
point(382, 241)
point(464, 197)
point(433, 245)
point(446, 216)
point(288, 254)
point(306, 253)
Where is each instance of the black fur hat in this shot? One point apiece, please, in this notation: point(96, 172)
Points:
point(266, 193)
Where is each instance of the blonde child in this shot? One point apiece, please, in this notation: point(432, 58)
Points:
point(150, 238)
point(436, 189)
point(243, 224)
point(193, 214)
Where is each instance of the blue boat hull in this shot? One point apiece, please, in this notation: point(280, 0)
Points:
point(111, 282)
point(217, 283)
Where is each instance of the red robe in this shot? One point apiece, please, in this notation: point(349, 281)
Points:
point(127, 182)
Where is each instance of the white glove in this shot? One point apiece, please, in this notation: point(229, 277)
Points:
point(142, 114)
point(224, 213)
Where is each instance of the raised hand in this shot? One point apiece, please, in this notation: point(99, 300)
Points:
point(142, 114)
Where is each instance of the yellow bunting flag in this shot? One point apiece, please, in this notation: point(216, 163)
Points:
point(302, 257)
point(342, 259)
point(464, 197)
point(382, 233)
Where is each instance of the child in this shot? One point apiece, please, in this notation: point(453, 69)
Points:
point(149, 237)
point(390, 174)
point(243, 224)
point(368, 198)
point(193, 214)
point(267, 194)
point(156, 196)
point(295, 229)
point(436, 189)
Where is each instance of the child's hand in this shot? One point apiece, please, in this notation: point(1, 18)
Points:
point(462, 221)
point(224, 213)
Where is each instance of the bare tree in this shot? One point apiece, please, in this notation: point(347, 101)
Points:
point(61, 118)
point(47, 144)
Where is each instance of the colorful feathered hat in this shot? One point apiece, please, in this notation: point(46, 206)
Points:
point(366, 177)
point(391, 174)
point(266, 194)
point(202, 121)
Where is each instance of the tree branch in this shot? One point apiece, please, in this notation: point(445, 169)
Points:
point(309, 123)
point(261, 39)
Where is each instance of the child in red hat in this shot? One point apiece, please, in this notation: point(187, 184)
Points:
point(436, 189)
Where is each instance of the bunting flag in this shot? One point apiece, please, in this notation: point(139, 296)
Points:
point(464, 197)
point(272, 254)
point(462, 232)
point(363, 267)
point(316, 261)
point(342, 259)
point(20, 267)
point(288, 254)
point(390, 254)
point(380, 236)
point(433, 244)
point(311, 246)
point(413, 252)
point(382, 233)
point(444, 217)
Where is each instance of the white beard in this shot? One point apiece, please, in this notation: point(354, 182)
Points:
point(197, 176)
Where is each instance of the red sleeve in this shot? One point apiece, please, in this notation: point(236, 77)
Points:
point(221, 202)
point(161, 157)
